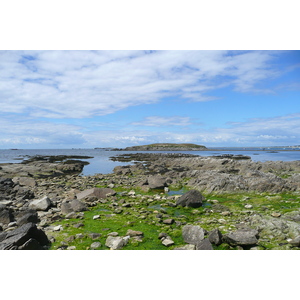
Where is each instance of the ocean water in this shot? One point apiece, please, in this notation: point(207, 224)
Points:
point(101, 163)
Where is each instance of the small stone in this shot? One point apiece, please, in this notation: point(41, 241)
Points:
point(94, 235)
point(186, 247)
point(71, 215)
point(79, 236)
point(131, 193)
point(167, 241)
point(113, 234)
point(96, 217)
point(78, 225)
point(168, 221)
point(95, 245)
point(276, 214)
point(222, 221)
point(132, 233)
point(57, 228)
point(71, 248)
point(248, 206)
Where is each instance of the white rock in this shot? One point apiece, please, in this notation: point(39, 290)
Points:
point(58, 228)
point(248, 206)
point(96, 217)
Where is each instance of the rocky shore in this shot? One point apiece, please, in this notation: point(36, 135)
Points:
point(166, 147)
point(162, 201)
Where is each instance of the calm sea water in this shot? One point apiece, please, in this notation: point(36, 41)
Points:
point(101, 163)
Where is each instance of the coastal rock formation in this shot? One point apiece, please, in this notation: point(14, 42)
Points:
point(167, 147)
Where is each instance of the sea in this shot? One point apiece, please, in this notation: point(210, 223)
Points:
point(101, 164)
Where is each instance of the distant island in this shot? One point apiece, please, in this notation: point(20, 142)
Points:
point(166, 147)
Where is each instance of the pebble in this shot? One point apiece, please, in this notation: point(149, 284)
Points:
point(248, 206)
point(276, 214)
point(95, 245)
point(57, 228)
point(96, 217)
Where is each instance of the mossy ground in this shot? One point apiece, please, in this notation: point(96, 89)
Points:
point(143, 209)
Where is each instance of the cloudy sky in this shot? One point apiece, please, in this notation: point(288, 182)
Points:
point(83, 99)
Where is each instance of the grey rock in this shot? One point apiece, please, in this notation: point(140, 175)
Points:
point(20, 238)
point(40, 204)
point(156, 182)
point(78, 206)
point(204, 245)
point(186, 247)
point(5, 216)
point(66, 208)
point(115, 242)
point(24, 181)
point(296, 241)
point(192, 198)
point(28, 217)
point(100, 193)
point(215, 237)
point(132, 233)
point(242, 237)
point(192, 234)
point(167, 241)
point(95, 245)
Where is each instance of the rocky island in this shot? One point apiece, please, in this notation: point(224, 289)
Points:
point(162, 201)
point(166, 147)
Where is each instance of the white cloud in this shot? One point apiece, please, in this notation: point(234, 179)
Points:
point(157, 121)
point(80, 84)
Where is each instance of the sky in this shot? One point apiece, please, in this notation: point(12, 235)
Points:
point(86, 99)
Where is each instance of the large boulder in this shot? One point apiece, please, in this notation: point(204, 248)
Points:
point(40, 204)
point(192, 234)
point(100, 193)
point(242, 237)
point(26, 237)
point(157, 182)
point(192, 198)
point(215, 237)
point(28, 216)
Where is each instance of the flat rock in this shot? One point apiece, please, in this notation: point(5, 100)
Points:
point(100, 193)
point(116, 242)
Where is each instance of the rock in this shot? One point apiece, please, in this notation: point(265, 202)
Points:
point(71, 215)
point(40, 204)
point(192, 198)
point(248, 206)
point(167, 241)
point(168, 221)
point(132, 233)
point(95, 245)
point(186, 247)
point(78, 206)
point(28, 217)
point(156, 182)
point(78, 225)
point(275, 214)
point(28, 236)
point(242, 237)
point(66, 208)
point(116, 242)
point(296, 241)
point(57, 228)
point(100, 193)
point(192, 234)
point(215, 237)
point(96, 217)
point(5, 216)
point(24, 181)
point(94, 235)
point(204, 245)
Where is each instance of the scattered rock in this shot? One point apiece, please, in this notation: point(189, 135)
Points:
point(242, 237)
point(40, 204)
point(215, 237)
point(100, 193)
point(95, 245)
point(204, 245)
point(192, 234)
point(192, 198)
point(116, 242)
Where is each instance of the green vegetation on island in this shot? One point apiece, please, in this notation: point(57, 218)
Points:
point(167, 147)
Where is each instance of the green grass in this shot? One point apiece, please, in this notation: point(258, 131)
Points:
point(142, 216)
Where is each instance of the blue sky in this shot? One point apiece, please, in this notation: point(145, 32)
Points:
point(86, 99)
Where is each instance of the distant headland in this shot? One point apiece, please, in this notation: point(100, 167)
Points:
point(165, 147)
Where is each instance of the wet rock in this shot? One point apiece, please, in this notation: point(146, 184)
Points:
point(192, 198)
point(192, 234)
